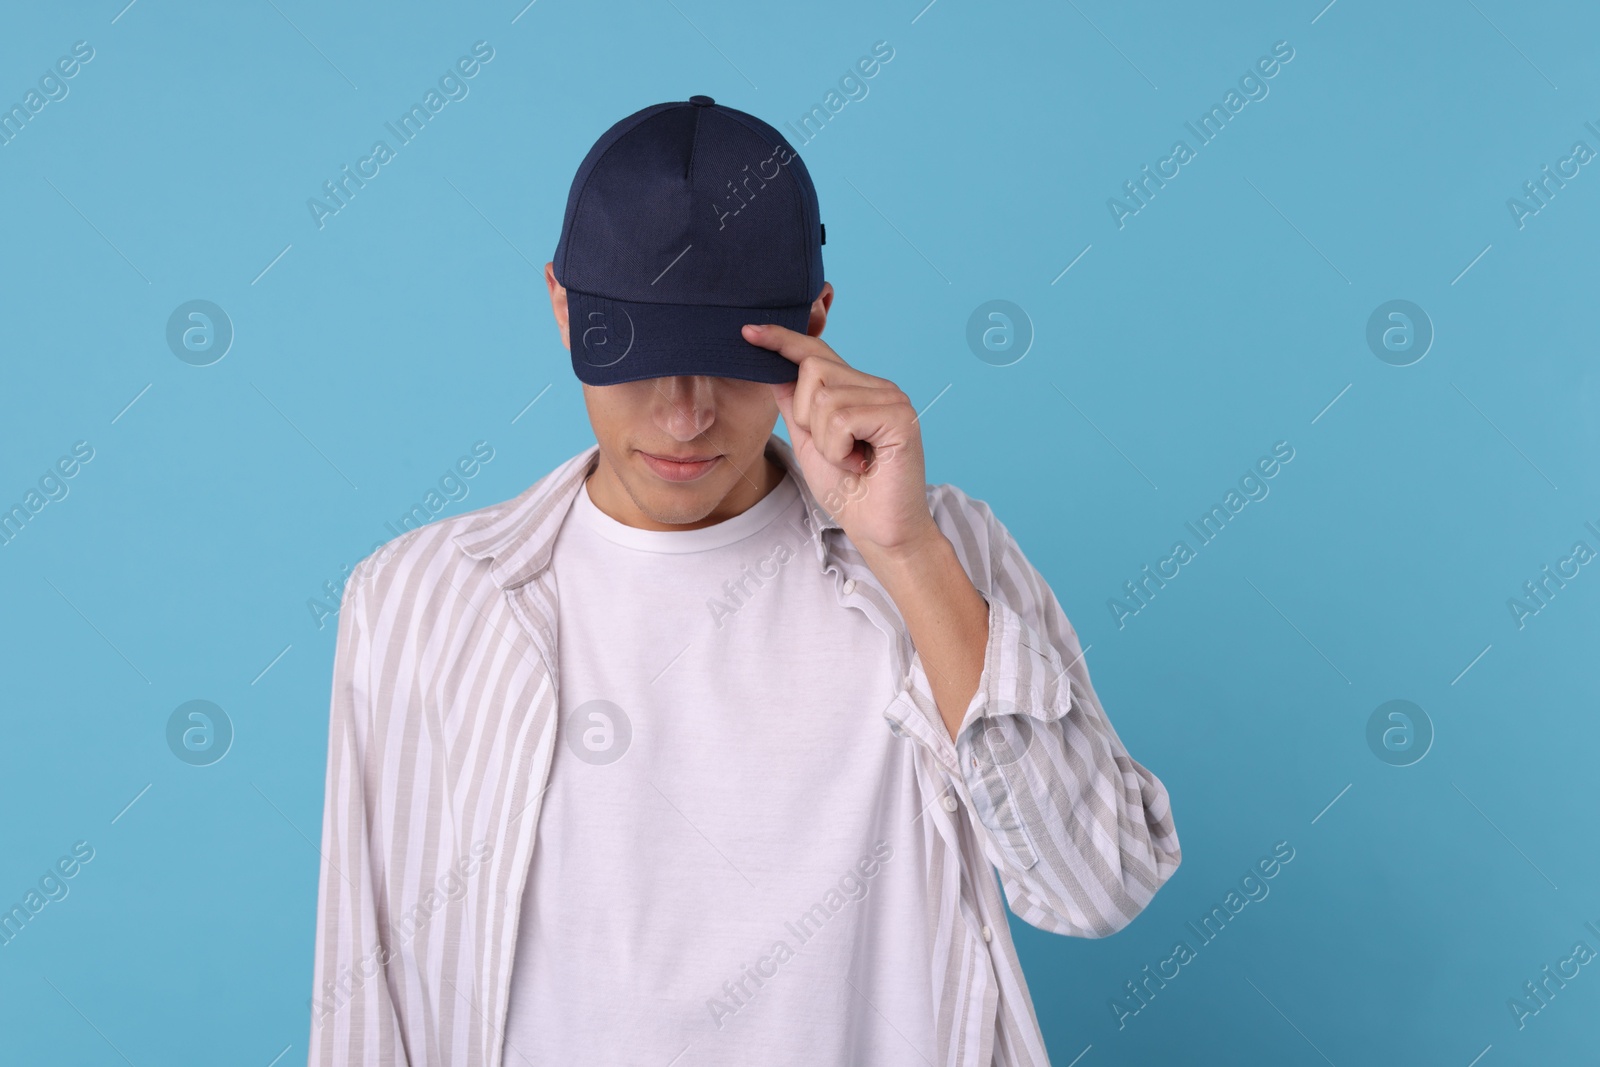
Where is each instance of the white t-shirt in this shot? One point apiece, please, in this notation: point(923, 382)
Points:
point(729, 866)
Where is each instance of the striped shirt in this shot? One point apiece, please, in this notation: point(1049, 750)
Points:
point(441, 731)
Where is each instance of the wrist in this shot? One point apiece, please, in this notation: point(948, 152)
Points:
point(923, 566)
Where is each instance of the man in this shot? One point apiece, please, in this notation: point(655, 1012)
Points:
point(704, 749)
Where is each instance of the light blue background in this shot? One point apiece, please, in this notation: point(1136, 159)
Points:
point(1221, 319)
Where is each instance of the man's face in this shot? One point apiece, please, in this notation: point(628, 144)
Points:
point(680, 452)
point(683, 452)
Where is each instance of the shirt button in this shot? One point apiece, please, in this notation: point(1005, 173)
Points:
point(849, 586)
point(988, 934)
point(949, 803)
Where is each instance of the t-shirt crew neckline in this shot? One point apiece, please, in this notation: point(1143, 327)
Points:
point(719, 535)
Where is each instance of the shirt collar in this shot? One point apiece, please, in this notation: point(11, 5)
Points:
point(517, 537)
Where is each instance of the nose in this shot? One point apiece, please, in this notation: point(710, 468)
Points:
point(688, 405)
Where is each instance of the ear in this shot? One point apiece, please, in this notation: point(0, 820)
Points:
point(819, 310)
point(558, 303)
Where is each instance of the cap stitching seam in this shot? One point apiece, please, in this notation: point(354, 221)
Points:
point(683, 304)
point(694, 144)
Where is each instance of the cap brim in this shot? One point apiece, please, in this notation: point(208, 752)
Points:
point(616, 341)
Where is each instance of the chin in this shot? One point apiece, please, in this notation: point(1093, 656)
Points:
point(677, 505)
point(683, 506)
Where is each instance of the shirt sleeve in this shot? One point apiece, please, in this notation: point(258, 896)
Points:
point(1081, 833)
point(353, 1017)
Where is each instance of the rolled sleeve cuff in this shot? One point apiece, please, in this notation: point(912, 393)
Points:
point(1022, 674)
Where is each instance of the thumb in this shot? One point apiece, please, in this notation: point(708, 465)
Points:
point(783, 394)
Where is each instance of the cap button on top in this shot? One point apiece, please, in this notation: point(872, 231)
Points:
point(701, 101)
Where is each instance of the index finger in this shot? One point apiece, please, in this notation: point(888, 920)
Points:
point(790, 344)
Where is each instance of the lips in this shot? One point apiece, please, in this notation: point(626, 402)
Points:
point(679, 468)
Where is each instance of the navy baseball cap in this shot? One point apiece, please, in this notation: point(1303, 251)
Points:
point(687, 220)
